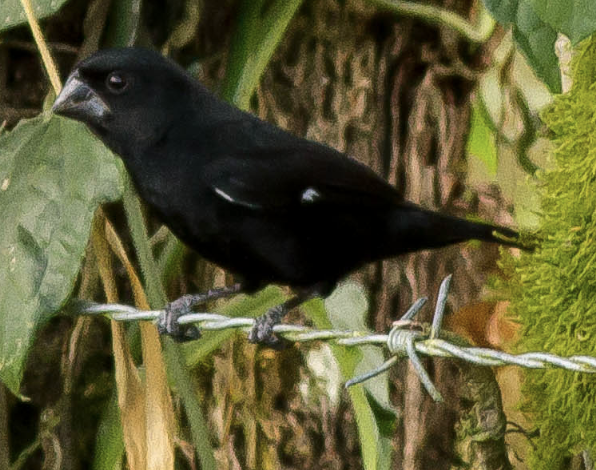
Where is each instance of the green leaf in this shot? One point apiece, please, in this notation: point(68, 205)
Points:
point(537, 42)
point(574, 18)
point(482, 141)
point(535, 38)
point(347, 308)
point(12, 13)
point(504, 11)
point(254, 41)
point(123, 24)
point(109, 442)
point(53, 174)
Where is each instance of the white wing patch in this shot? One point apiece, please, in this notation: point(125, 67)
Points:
point(310, 195)
point(229, 198)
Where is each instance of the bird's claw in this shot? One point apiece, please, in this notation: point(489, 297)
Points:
point(167, 324)
point(262, 331)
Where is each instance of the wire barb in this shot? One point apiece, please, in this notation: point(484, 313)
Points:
point(407, 338)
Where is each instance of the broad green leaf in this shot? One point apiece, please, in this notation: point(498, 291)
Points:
point(535, 38)
point(53, 174)
point(574, 18)
point(346, 308)
point(481, 140)
point(537, 42)
point(504, 11)
point(12, 13)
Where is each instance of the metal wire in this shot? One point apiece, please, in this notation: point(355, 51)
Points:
point(407, 338)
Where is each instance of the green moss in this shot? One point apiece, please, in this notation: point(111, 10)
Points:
point(554, 288)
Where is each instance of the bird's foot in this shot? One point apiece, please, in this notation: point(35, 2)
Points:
point(167, 324)
point(262, 331)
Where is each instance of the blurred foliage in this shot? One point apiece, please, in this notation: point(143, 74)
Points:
point(536, 24)
point(482, 140)
point(553, 289)
point(574, 18)
point(258, 33)
point(507, 136)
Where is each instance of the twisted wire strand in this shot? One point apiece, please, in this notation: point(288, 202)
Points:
point(407, 338)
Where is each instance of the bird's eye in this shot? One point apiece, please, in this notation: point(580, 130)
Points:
point(117, 82)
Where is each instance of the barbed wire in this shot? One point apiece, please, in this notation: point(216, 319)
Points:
point(406, 339)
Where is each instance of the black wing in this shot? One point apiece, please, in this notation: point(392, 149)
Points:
point(282, 178)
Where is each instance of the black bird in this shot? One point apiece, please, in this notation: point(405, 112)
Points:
point(261, 203)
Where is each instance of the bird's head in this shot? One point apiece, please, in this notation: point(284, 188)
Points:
point(128, 97)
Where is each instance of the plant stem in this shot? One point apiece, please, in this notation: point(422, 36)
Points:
point(176, 368)
point(46, 56)
point(436, 15)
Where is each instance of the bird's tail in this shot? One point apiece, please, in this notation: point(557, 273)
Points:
point(491, 233)
point(418, 229)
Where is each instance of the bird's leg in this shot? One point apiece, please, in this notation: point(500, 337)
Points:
point(168, 322)
point(262, 331)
